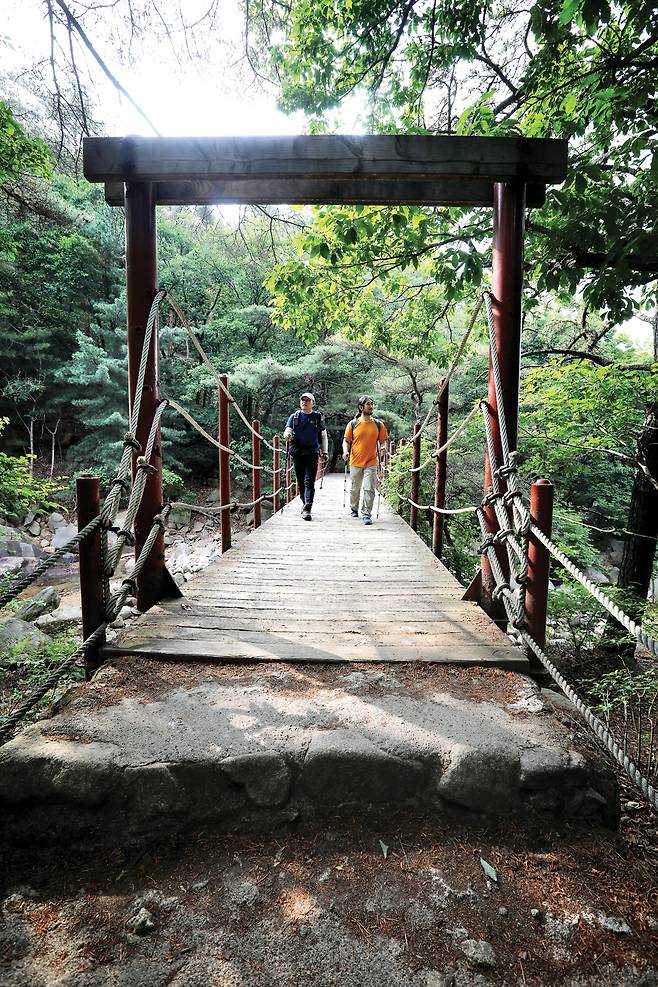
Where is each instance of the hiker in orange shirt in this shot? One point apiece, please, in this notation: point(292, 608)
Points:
point(361, 447)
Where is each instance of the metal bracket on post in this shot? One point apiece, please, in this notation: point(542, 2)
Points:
point(255, 470)
point(87, 492)
point(440, 470)
point(224, 467)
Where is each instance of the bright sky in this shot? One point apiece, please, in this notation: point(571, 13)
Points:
point(210, 94)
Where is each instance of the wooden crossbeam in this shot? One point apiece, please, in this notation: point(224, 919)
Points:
point(309, 191)
point(416, 157)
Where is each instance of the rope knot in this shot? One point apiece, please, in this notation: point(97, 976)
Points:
point(130, 441)
point(500, 590)
point(127, 536)
point(504, 471)
point(131, 584)
point(146, 467)
point(487, 543)
point(502, 535)
point(159, 520)
point(121, 481)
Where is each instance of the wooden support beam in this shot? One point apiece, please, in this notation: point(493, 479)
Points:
point(319, 191)
point(325, 156)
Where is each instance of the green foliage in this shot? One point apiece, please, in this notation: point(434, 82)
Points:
point(580, 426)
point(574, 616)
point(19, 489)
point(579, 69)
point(24, 670)
point(20, 153)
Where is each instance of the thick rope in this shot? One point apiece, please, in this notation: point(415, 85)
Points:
point(438, 510)
point(113, 607)
point(636, 630)
point(453, 365)
point(21, 583)
point(231, 452)
point(204, 356)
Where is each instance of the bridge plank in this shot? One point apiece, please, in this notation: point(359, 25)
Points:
point(376, 594)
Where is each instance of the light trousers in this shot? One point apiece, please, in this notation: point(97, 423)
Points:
point(363, 478)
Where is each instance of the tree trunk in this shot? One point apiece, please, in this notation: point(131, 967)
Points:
point(639, 547)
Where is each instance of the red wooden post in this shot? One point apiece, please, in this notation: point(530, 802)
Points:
point(87, 492)
point(255, 472)
point(288, 476)
point(507, 281)
point(440, 471)
point(276, 466)
point(224, 467)
point(536, 601)
point(415, 478)
point(141, 286)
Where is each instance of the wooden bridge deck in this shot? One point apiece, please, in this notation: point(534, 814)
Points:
point(332, 590)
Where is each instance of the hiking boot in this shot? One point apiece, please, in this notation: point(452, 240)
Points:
point(367, 519)
point(306, 514)
point(354, 513)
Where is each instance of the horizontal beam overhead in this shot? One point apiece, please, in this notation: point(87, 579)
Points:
point(294, 191)
point(405, 157)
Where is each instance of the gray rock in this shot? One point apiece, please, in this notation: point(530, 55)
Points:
point(478, 952)
point(342, 766)
point(503, 911)
point(535, 913)
point(64, 534)
point(56, 520)
point(15, 548)
point(20, 632)
point(435, 979)
point(543, 768)
point(142, 923)
point(42, 602)
point(33, 528)
point(62, 617)
point(596, 576)
point(482, 779)
point(265, 776)
point(611, 923)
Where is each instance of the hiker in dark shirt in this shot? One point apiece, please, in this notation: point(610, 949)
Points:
point(307, 438)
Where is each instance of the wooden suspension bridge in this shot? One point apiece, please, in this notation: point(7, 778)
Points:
point(330, 591)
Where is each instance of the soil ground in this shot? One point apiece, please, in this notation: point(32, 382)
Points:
point(346, 904)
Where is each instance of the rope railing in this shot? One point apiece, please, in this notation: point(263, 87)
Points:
point(506, 527)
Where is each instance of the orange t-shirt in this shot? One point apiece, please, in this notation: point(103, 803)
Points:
point(364, 441)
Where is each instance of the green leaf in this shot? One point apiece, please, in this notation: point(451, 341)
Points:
point(385, 849)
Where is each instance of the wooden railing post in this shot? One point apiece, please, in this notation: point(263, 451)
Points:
point(440, 470)
point(415, 477)
point(224, 466)
point(255, 471)
point(141, 288)
point(87, 492)
point(276, 466)
point(539, 558)
point(506, 283)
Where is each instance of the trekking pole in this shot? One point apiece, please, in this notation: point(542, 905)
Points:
point(345, 484)
point(324, 467)
point(379, 488)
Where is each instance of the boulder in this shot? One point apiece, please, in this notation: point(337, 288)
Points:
point(16, 631)
point(43, 602)
point(62, 617)
point(55, 521)
point(33, 528)
point(64, 534)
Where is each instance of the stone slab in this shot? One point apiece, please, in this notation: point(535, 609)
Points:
point(147, 748)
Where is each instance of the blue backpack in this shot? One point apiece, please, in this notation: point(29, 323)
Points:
point(318, 421)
